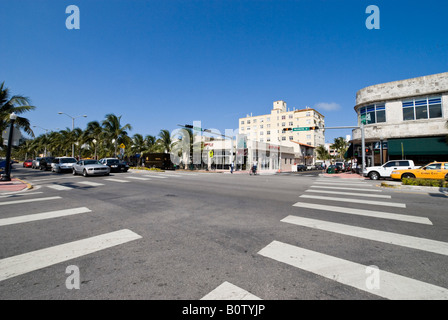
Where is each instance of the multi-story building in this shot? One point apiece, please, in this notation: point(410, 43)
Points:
point(404, 119)
point(270, 129)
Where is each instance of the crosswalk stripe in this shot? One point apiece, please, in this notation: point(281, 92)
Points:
point(362, 212)
point(91, 183)
point(155, 176)
point(138, 178)
point(391, 286)
point(59, 187)
point(28, 200)
point(344, 183)
point(27, 262)
point(228, 291)
point(116, 180)
point(344, 188)
point(370, 234)
point(377, 203)
point(368, 195)
point(14, 194)
point(43, 216)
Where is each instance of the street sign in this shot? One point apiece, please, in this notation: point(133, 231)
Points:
point(211, 153)
point(122, 146)
point(301, 129)
point(16, 136)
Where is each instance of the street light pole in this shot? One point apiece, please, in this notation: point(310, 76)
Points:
point(7, 175)
point(73, 128)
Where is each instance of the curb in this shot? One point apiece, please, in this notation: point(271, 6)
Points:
point(29, 186)
point(398, 185)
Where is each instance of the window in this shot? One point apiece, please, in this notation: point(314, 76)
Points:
point(283, 124)
point(248, 121)
point(373, 113)
point(290, 138)
point(291, 123)
point(261, 126)
point(291, 116)
point(261, 133)
point(308, 114)
point(255, 120)
point(446, 166)
point(283, 117)
point(269, 125)
point(248, 128)
point(283, 138)
point(422, 108)
point(268, 139)
point(434, 166)
point(268, 132)
point(242, 122)
point(308, 136)
point(268, 119)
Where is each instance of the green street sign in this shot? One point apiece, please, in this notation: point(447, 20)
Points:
point(301, 129)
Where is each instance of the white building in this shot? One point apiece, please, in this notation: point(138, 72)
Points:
point(404, 119)
point(287, 128)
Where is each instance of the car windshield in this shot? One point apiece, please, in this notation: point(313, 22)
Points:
point(86, 162)
point(113, 161)
point(67, 160)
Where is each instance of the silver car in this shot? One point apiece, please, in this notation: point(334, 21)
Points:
point(90, 168)
point(63, 164)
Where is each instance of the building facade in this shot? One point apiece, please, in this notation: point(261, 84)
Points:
point(404, 120)
point(270, 129)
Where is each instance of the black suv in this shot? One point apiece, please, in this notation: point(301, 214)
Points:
point(301, 167)
point(115, 164)
point(45, 163)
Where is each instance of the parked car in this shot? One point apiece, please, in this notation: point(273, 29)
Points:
point(45, 163)
point(114, 164)
point(384, 171)
point(334, 168)
point(27, 163)
point(301, 167)
point(434, 170)
point(36, 163)
point(90, 168)
point(62, 164)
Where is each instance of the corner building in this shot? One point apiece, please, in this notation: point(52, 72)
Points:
point(404, 120)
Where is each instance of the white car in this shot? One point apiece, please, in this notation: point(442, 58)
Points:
point(90, 168)
point(384, 171)
point(62, 164)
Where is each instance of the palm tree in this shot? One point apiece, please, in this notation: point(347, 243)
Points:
point(138, 145)
point(322, 153)
point(17, 104)
point(151, 143)
point(165, 140)
point(92, 135)
point(113, 131)
point(340, 145)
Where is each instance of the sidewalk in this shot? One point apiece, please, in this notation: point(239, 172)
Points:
point(344, 175)
point(14, 185)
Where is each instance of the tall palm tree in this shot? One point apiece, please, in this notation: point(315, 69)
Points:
point(151, 143)
point(138, 145)
point(340, 145)
point(114, 131)
point(322, 153)
point(165, 140)
point(17, 104)
point(92, 135)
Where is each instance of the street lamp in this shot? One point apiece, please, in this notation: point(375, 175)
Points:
point(7, 175)
point(73, 128)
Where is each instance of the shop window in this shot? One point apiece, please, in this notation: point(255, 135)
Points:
point(422, 108)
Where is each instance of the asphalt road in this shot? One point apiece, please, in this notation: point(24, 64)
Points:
point(188, 236)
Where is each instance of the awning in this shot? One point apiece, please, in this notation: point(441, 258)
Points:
point(418, 146)
point(349, 153)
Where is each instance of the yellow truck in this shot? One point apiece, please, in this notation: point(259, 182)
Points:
point(434, 170)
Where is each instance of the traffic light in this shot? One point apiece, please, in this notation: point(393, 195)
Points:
point(367, 150)
point(188, 126)
point(287, 129)
point(314, 128)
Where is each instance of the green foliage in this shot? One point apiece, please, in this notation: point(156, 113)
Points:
point(425, 182)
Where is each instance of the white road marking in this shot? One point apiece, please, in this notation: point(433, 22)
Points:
point(27, 262)
point(370, 234)
point(363, 202)
point(116, 180)
point(27, 200)
point(12, 194)
point(344, 183)
point(59, 187)
point(46, 179)
point(228, 291)
point(351, 194)
point(343, 188)
point(138, 178)
point(91, 183)
point(155, 176)
point(42, 216)
point(361, 212)
point(391, 286)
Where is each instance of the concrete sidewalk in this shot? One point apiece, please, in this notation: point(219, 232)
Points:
point(15, 185)
point(345, 175)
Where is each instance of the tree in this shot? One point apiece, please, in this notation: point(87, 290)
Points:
point(92, 135)
point(165, 140)
point(138, 145)
point(322, 153)
point(340, 145)
point(113, 131)
point(17, 104)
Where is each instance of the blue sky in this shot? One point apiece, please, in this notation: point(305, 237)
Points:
point(159, 63)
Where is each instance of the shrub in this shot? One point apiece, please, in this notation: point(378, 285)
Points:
point(147, 169)
point(425, 182)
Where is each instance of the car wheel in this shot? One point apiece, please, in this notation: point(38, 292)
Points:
point(374, 175)
point(74, 172)
point(407, 176)
point(84, 173)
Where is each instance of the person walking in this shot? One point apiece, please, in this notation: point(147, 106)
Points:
point(232, 165)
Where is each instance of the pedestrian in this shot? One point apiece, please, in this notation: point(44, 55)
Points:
point(232, 165)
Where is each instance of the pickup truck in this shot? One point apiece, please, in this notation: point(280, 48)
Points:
point(384, 171)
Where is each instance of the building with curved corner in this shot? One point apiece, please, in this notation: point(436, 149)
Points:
point(404, 119)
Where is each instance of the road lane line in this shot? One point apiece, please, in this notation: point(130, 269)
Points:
point(59, 187)
point(155, 176)
point(344, 183)
point(13, 194)
point(116, 180)
point(31, 261)
point(91, 183)
point(390, 286)
point(364, 202)
point(28, 200)
point(371, 234)
point(351, 194)
point(343, 188)
point(138, 178)
point(43, 216)
point(362, 212)
point(228, 291)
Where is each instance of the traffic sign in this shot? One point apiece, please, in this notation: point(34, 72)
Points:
point(301, 129)
point(122, 146)
point(211, 153)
